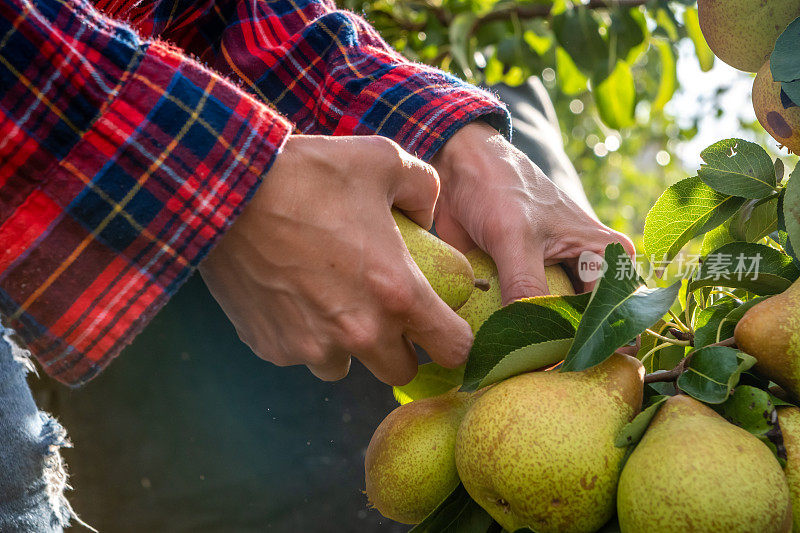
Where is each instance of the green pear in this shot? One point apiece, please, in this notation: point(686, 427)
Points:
point(789, 421)
point(482, 304)
point(537, 450)
point(694, 471)
point(742, 33)
point(445, 268)
point(770, 332)
point(410, 467)
point(783, 124)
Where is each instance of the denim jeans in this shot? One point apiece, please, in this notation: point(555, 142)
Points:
point(32, 476)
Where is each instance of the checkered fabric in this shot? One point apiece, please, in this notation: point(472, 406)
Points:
point(327, 70)
point(122, 161)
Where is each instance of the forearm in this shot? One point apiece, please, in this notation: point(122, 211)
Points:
point(116, 177)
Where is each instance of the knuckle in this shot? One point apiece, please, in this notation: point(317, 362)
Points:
point(384, 148)
point(399, 300)
point(359, 334)
point(432, 179)
point(311, 353)
point(391, 290)
point(524, 286)
point(505, 228)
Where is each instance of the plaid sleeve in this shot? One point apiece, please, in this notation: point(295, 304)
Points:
point(326, 69)
point(121, 164)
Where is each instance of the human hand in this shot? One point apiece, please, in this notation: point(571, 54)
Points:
point(315, 269)
point(494, 197)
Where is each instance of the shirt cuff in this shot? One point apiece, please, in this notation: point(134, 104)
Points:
point(420, 108)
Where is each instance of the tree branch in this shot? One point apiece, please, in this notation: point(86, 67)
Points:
point(731, 342)
point(669, 375)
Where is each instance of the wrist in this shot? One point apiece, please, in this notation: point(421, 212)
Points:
point(467, 151)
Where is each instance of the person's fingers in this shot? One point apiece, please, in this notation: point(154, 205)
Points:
point(453, 233)
point(436, 328)
point(393, 361)
point(520, 266)
point(415, 189)
point(332, 370)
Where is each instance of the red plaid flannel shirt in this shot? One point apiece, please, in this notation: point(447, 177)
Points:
point(123, 161)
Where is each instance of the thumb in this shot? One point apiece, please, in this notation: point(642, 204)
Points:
point(521, 273)
point(415, 190)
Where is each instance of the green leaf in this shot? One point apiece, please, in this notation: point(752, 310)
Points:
point(669, 76)
point(529, 333)
point(715, 238)
point(615, 97)
point(755, 220)
point(459, 32)
point(785, 61)
point(707, 323)
point(781, 237)
point(704, 54)
point(633, 431)
point(792, 90)
point(754, 410)
point(571, 80)
point(431, 380)
point(525, 359)
point(458, 513)
point(739, 168)
point(540, 44)
point(749, 408)
point(736, 314)
point(627, 33)
point(577, 30)
point(791, 208)
point(686, 209)
point(620, 308)
point(752, 222)
point(712, 372)
point(757, 268)
point(667, 23)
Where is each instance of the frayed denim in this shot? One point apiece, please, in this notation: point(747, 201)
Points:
point(32, 474)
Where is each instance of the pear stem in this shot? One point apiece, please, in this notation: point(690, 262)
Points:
point(678, 321)
point(482, 284)
point(667, 339)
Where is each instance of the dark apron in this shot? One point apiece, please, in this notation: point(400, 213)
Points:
point(189, 431)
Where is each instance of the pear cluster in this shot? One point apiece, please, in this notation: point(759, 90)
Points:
point(541, 451)
point(536, 450)
point(742, 33)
